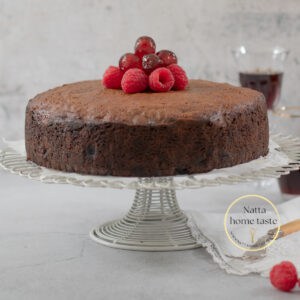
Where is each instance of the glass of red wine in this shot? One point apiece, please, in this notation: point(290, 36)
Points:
point(286, 119)
point(262, 70)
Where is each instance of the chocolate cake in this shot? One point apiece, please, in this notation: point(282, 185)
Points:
point(85, 128)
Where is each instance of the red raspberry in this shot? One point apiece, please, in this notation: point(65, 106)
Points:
point(144, 45)
point(129, 61)
point(161, 80)
point(112, 78)
point(284, 276)
point(181, 80)
point(134, 81)
point(167, 57)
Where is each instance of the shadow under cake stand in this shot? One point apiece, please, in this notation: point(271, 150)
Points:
point(155, 221)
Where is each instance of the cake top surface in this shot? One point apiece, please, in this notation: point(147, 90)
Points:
point(89, 101)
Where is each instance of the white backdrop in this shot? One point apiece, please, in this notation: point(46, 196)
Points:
point(51, 42)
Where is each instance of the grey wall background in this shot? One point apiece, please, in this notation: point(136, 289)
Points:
point(51, 42)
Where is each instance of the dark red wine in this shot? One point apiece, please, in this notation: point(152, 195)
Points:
point(290, 184)
point(267, 83)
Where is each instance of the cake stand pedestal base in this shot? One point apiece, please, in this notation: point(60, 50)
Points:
point(154, 222)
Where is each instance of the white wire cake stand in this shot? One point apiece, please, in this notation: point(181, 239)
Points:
point(155, 221)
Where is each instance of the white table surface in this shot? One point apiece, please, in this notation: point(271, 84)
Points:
point(46, 253)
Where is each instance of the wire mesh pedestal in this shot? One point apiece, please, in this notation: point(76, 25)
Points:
point(154, 222)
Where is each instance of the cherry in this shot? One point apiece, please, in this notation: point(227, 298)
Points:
point(150, 62)
point(129, 61)
point(167, 57)
point(144, 45)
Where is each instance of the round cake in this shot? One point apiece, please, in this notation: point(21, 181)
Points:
point(85, 128)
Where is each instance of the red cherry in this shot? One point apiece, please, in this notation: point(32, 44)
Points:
point(150, 62)
point(144, 45)
point(167, 57)
point(129, 61)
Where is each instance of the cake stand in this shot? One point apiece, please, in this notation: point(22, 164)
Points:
point(155, 221)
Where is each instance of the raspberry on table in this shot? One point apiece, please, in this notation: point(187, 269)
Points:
point(284, 276)
point(134, 81)
point(112, 78)
point(144, 45)
point(129, 61)
point(181, 80)
point(150, 62)
point(161, 80)
point(167, 57)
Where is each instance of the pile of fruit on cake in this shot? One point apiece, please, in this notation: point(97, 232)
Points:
point(144, 69)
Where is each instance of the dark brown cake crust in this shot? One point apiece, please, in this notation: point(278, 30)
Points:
point(85, 128)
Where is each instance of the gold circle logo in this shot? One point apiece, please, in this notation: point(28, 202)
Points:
point(249, 220)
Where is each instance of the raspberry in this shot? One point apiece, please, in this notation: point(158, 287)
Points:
point(144, 45)
point(161, 80)
point(134, 81)
point(181, 80)
point(150, 62)
point(129, 61)
point(112, 78)
point(284, 276)
point(167, 57)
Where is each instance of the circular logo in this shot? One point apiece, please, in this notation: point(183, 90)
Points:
point(252, 222)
